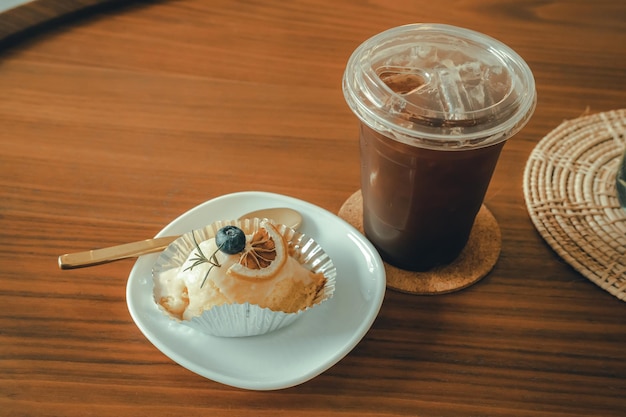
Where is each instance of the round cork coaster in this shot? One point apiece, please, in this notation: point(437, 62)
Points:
point(475, 261)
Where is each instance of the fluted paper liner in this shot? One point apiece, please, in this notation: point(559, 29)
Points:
point(236, 320)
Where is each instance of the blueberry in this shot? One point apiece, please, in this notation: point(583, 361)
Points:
point(230, 239)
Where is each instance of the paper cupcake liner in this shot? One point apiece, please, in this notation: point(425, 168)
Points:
point(238, 320)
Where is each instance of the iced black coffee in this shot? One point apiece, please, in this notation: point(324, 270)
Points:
point(419, 204)
point(436, 105)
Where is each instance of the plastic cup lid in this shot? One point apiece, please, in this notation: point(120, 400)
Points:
point(439, 86)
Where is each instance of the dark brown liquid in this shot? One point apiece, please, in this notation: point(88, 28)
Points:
point(419, 205)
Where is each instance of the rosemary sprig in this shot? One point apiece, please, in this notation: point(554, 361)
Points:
point(201, 258)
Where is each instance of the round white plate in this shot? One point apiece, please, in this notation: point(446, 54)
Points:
point(289, 356)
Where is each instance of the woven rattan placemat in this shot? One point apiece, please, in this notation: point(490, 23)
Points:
point(569, 186)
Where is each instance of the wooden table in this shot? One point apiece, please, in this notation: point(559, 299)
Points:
point(118, 120)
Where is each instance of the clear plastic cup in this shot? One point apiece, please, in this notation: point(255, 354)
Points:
point(436, 104)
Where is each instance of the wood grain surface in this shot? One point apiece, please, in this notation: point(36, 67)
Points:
point(118, 120)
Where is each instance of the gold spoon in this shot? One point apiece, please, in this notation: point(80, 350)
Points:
point(281, 215)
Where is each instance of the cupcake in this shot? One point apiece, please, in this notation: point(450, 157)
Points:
point(242, 278)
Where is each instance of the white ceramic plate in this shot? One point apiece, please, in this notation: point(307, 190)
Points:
point(289, 356)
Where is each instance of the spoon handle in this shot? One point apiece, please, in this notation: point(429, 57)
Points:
point(287, 216)
point(114, 253)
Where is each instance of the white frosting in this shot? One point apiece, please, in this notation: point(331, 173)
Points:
point(220, 286)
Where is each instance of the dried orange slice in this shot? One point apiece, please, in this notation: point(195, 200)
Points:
point(264, 255)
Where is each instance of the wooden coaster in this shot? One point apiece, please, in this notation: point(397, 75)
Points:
point(475, 261)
